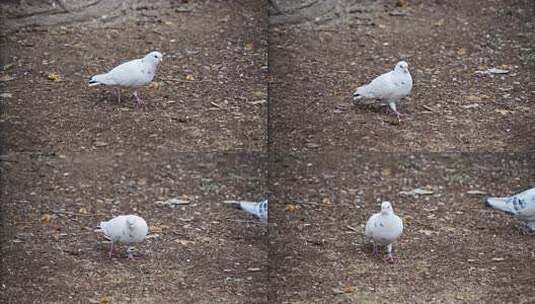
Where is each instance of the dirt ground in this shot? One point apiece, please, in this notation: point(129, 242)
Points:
point(204, 252)
point(316, 65)
point(212, 82)
point(453, 250)
point(72, 156)
point(243, 110)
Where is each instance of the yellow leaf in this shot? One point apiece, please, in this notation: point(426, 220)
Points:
point(154, 85)
point(461, 51)
point(387, 172)
point(53, 77)
point(46, 218)
point(291, 208)
point(190, 77)
point(402, 3)
point(249, 46)
point(104, 301)
point(82, 210)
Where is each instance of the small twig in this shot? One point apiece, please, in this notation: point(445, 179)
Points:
point(351, 228)
point(428, 108)
point(215, 104)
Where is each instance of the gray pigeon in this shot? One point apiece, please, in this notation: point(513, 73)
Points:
point(135, 73)
point(521, 206)
point(384, 228)
point(388, 88)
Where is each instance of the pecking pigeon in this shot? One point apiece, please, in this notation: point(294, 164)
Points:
point(135, 73)
point(521, 206)
point(384, 228)
point(388, 88)
point(125, 229)
point(258, 209)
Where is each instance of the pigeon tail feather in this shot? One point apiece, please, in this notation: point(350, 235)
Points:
point(500, 203)
point(97, 80)
point(362, 92)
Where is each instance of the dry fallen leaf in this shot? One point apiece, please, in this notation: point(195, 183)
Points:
point(291, 208)
point(184, 242)
point(53, 77)
point(46, 218)
point(439, 23)
point(190, 77)
point(155, 85)
point(502, 111)
point(402, 3)
point(426, 232)
point(461, 51)
point(476, 192)
point(417, 191)
point(349, 289)
point(386, 172)
point(260, 93)
point(249, 46)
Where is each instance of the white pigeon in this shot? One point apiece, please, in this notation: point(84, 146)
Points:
point(389, 88)
point(258, 209)
point(135, 73)
point(384, 228)
point(125, 229)
point(521, 206)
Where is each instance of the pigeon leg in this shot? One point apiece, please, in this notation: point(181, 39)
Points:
point(375, 252)
point(392, 106)
point(389, 257)
point(531, 228)
point(139, 102)
point(528, 228)
point(117, 93)
point(129, 251)
point(111, 250)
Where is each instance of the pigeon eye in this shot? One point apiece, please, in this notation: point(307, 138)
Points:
point(155, 56)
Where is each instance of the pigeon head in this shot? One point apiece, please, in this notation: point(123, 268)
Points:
point(154, 57)
point(402, 66)
point(386, 208)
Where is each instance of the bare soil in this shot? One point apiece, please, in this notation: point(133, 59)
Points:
point(73, 156)
point(212, 83)
point(316, 65)
point(453, 249)
point(203, 252)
